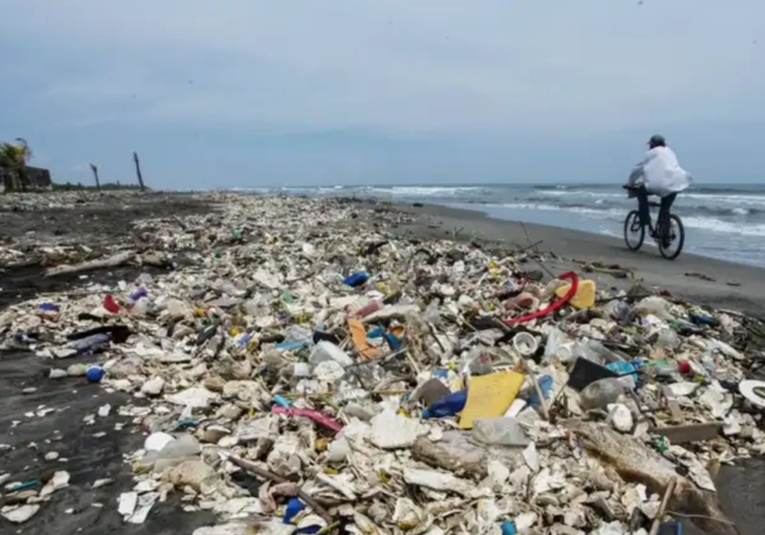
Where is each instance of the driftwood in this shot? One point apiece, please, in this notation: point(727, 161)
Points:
point(635, 462)
point(663, 507)
point(158, 260)
point(118, 259)
point(265, 474)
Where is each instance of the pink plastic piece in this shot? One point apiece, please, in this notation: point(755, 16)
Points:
point(316, 416)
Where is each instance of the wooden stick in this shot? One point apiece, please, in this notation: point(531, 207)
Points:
point(542, 400)
point(265, 474)
point(90, 265)
point(667, 494)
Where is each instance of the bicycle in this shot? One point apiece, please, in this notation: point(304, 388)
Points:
point(673, 235)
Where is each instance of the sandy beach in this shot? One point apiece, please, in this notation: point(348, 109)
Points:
point(109, 219)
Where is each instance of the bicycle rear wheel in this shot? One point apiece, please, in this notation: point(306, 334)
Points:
point(634, 232)
point(671, 244)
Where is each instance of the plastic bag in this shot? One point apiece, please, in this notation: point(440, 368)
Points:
point(500, 432)
point(599, 394)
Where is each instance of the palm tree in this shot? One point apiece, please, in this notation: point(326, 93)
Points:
point(13, 161)
point(94, 168)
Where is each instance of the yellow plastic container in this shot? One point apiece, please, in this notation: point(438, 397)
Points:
point(490, 396)
point(584, 296)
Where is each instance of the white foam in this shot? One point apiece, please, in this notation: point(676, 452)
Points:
point(425, 191)
point(724, 227)
point(612, 213)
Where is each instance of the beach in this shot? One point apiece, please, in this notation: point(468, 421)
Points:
point(100, 221)
point(108, 219)
point(722, 221)
point(732, 285)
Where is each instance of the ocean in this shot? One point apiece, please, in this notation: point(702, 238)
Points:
point(721, 221)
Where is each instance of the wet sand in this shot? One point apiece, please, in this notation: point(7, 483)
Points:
point(742, 488)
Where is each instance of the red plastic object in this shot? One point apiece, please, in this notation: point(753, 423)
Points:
point(316, 416)
point(570, 276)
point(111, 305)
point(684, 367)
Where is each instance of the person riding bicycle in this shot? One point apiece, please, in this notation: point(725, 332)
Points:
point(659, 173)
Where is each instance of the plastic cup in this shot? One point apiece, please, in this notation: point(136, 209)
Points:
point(525, 344)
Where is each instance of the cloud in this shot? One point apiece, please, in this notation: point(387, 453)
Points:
point(400, 66)
point(253, 92)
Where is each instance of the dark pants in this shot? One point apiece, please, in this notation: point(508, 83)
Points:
point(645, 211)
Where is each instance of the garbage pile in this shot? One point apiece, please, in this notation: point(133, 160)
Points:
point(309, 373)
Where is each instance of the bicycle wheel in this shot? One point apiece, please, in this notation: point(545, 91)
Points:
point(634, 232)
point(671, 246)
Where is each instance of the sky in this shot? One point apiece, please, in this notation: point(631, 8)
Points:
point(251, 93)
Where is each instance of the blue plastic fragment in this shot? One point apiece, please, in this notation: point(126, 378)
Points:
point(356, 279)
point(294, 506)
point(545, 385)
point(508, 528)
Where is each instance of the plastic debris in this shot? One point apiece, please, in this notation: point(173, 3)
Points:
point(294, 372)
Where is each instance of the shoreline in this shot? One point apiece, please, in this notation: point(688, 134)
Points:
point(733, 286)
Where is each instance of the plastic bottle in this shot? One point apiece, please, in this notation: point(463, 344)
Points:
point(49, 310)
point(668, 368)
point(353, 394)
point(618, 310)
point(709, 364)
point(356, 279)
point(598, 394)
point(449, 405)
point(297, 369)
point(174, 452)
point(369, 308)
point(500, 432)
point(141, 307)
point(111, 305)
point(138, 294)
point(556, 340)
point(299, 334)
point(584, 351)
point(667, 339)
point(606, 354)
point(324, 351)
point(656, 306)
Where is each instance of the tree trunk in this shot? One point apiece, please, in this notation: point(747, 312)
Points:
point(94, 168)
point(138, 171)
point(13, 176)
point(22, 172)
point(7, 181)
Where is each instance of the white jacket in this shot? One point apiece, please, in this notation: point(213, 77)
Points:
point(660, 173)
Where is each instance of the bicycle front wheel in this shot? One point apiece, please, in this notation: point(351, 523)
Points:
point(634, 232)
point(671, 244)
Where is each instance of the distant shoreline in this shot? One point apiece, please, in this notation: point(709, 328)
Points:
point(683, 276)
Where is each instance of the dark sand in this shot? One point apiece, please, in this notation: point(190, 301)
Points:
point(105, 220)
point(742, 488)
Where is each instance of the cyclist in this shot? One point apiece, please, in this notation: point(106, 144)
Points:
point(659, 173)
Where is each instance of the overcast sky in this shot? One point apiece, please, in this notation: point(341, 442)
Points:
point(258, 93)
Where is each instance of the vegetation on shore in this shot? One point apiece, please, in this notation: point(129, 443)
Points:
point(108, 186)
point(14, 158)
point(13, 164)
